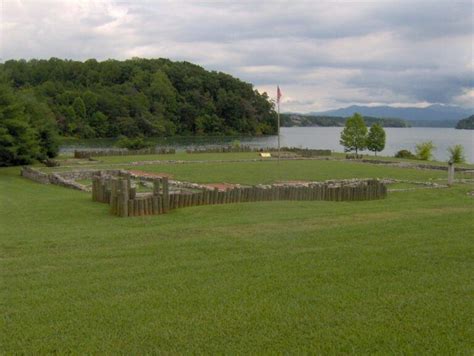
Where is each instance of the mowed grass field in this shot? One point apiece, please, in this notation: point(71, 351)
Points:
point(388, 276)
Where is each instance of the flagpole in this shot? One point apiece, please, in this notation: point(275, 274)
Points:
point(278, 105)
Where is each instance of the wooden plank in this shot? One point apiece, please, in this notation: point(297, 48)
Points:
point(142, 207)
point(156, 186)
point(164, 182)
point(124, 198)
point(156, 210)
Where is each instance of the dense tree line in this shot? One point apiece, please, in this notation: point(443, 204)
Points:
point(140, 97)
point(290, 120)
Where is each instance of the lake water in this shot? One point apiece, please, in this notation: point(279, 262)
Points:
point(397, 139)
point(322, 138)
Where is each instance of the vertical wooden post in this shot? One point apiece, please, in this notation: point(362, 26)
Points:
point(166, 200)
point(123, 198)
point(450, 173)
point(155, 209)
point(113, 196)
point(156, 186)
point(130, 207)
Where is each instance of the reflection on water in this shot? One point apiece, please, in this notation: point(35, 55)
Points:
point(315, 137)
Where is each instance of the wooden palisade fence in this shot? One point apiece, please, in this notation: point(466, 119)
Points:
point(123, 200)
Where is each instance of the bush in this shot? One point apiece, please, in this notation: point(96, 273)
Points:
point(405, 154)
point(354, 156)
point(137, 143)
point(456, 154)
point(424, 150)
point(51, 163)
point(236, 144)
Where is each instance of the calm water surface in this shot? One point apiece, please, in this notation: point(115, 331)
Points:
point(320, 137)
point(397, 139)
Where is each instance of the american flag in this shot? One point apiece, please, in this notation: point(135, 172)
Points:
point(278, 94)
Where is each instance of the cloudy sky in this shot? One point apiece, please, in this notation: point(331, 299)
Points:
point(323, 54)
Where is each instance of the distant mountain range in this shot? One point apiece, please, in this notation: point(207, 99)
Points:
point(433, 115)
point(289, 120)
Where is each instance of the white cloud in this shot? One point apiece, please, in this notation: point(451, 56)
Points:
point(324, 54)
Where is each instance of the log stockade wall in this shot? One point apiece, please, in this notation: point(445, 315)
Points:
point(305, 152)
point(122, 152)
point(124, 201)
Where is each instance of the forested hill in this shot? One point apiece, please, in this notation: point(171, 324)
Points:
point(150, 97)
point(328, 121)
point(466, 124)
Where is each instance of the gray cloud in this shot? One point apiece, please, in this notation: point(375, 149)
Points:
point(323, 53)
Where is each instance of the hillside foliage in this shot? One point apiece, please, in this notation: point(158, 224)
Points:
point(141, 97)
point(466, 124)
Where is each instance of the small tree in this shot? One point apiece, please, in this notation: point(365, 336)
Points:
point(456, 154)
point(424, 150)
point(354, 135)
point(376, 139)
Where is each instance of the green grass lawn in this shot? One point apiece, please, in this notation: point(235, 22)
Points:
point(251, 172)
point(388, 276)
point(272, 171)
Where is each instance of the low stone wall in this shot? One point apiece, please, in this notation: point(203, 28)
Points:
point(67, 179)
point(415, 165)
point(304, 152)
point(307, 152)
point(86, 154)
point(34, 175)
point(57, 179)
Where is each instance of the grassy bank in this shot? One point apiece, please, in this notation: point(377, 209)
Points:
point(390, 276)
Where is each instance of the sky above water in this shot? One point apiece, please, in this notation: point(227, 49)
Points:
point(323, 54)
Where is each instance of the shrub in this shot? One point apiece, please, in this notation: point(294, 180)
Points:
point(137, 143)
point(405, 154)
point(424, 150)
point(456, 154)
point(236, 144)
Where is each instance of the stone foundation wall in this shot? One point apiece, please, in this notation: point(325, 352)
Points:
point(67, 179)
point(34, 175)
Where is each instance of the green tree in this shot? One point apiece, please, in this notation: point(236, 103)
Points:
point(209, 124)
point(354, 135)
point(99, 123)
point(18, 140)
point(42, 119)
point(142, 97)
point(79, 108)
point(376, 138)
point(456, 154)
point(424, 150)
